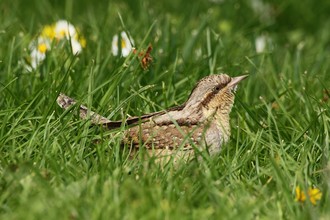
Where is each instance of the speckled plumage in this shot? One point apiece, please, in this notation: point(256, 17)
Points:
point(202, 122)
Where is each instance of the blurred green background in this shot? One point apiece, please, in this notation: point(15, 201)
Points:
point(51, 168)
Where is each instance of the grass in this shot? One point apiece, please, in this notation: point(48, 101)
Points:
point(50, 166)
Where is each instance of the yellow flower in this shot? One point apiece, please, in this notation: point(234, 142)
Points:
point(52, 35)
point(314, 194)
point(48, 32)
point(42, 48)
point(82, 41)
point(300, 195)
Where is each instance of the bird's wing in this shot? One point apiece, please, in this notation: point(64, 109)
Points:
point(169, 136)
point(167, 129)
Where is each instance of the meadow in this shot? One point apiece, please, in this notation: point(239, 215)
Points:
point(276, 164)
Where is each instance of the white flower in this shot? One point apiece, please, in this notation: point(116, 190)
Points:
point(41, 43)
point(38, 50)
point(76, 46)
point(260, 43)
point(64, 29)
point(59, 34)
point(36, 58)
point(126, 44)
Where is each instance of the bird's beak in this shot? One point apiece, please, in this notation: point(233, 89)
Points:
point(235, 80)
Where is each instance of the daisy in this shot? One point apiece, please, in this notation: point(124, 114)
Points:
point(125, 44)
point(76, 46)
point(38, 50)
point(64, 29)
point(58, 34)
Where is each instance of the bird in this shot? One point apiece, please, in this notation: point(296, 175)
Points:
point(199, 124)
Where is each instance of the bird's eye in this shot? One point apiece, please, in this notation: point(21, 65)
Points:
point(217, 88)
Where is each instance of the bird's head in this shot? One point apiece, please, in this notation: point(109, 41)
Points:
point(214, 94)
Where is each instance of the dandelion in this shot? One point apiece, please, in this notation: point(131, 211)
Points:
point(125, 44)
point(314, 194)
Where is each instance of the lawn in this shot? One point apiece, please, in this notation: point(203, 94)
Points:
point(276, 164)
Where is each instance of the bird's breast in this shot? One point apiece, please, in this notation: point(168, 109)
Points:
point(217, 134)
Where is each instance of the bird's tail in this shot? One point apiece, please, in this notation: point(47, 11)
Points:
point(66, 102)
